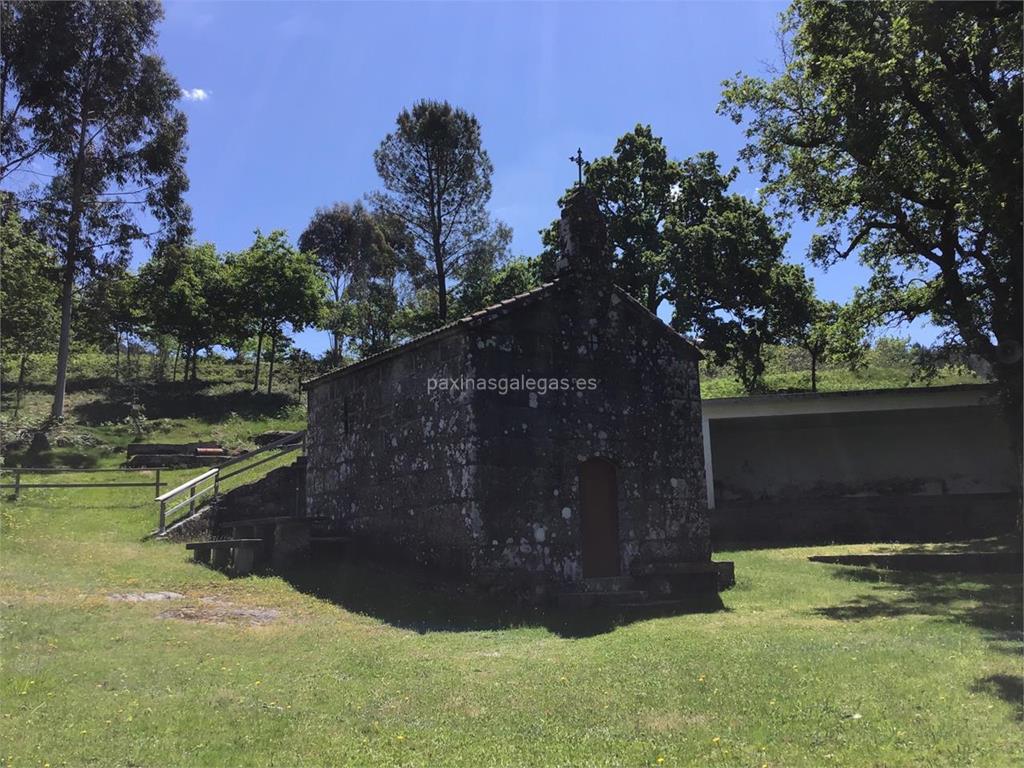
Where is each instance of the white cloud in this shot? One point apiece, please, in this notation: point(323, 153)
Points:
point(195, 94)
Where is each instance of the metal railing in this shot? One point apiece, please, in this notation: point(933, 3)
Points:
point(18, 485)
point(214, 478)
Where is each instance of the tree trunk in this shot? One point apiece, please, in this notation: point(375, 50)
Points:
point(64, 345)
point(174, 369)
point(814, 372)
point(195, 365)
point(74, 232)
point(259, 353)
point(442, 288)
point(442, 295)
point(128, 357)
point(270, 370)
point(117, 356)
point(21, 382)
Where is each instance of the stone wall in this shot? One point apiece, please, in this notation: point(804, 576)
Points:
point(643, 415)
point(486, 484)
point(392, 464)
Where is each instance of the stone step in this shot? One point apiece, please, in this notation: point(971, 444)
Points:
point(607, 584)
point(584, 599)
point(652, 606)
point(723, 571)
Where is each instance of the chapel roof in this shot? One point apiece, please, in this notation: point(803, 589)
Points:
point(488, 314)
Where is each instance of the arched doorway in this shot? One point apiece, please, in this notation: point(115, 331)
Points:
point(599, 517)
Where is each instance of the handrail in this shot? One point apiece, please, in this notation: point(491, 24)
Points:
point(294, 437)
point(188, 484)
point(286, 444)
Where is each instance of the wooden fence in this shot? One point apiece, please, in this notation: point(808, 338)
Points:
point(18, 484)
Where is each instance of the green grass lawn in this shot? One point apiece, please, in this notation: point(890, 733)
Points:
point(807, 664)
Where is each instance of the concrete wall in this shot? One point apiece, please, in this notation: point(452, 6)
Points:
point(936, 464)
point(924, 451)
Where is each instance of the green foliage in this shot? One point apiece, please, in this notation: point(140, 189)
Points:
point(678, 236)
point(727, 282)
point(100, 107)
point(497, 284)
point(185, 292)
point(351, 249)
point(109, 306)
point(372, 317)
point(829, 332)
point(437, 178)
point(891, 363)
point(270, 284)
point(897, 125)
point(29, 315)
point(638, 187)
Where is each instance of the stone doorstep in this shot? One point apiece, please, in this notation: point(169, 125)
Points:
point(725, 570)
point(585, 599)
point(607, 584)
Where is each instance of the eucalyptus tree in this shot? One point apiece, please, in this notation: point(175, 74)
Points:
point(350, 247)
point(94, 103)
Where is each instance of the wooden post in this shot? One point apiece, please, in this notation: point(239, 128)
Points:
point(192, 500)
point(216, 485)
point(157, 483)
point(17, 483)
point(163, 516)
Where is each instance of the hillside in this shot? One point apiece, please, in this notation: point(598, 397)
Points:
point(106, 412)
point(891, 363)
point(104, 415)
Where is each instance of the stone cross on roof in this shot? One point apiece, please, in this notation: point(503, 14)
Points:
point(578, 159)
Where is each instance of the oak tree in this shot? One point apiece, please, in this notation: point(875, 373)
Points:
point(897, 126)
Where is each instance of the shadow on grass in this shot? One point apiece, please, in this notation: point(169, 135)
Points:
point(413, 598)
point(988, 601)
point(182, 401)
point(932, 561)
point(1009, 689)
point(72, 458)
point(1002, 542)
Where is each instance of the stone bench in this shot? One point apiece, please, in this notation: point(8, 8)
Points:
point(241, 553)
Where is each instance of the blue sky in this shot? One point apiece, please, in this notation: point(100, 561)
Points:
point(295, 96)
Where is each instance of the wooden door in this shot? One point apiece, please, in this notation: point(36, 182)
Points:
point(599, 515)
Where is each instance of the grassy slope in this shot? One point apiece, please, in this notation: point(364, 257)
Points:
point(809, 664)
point(221, 408)
point(835, 379)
